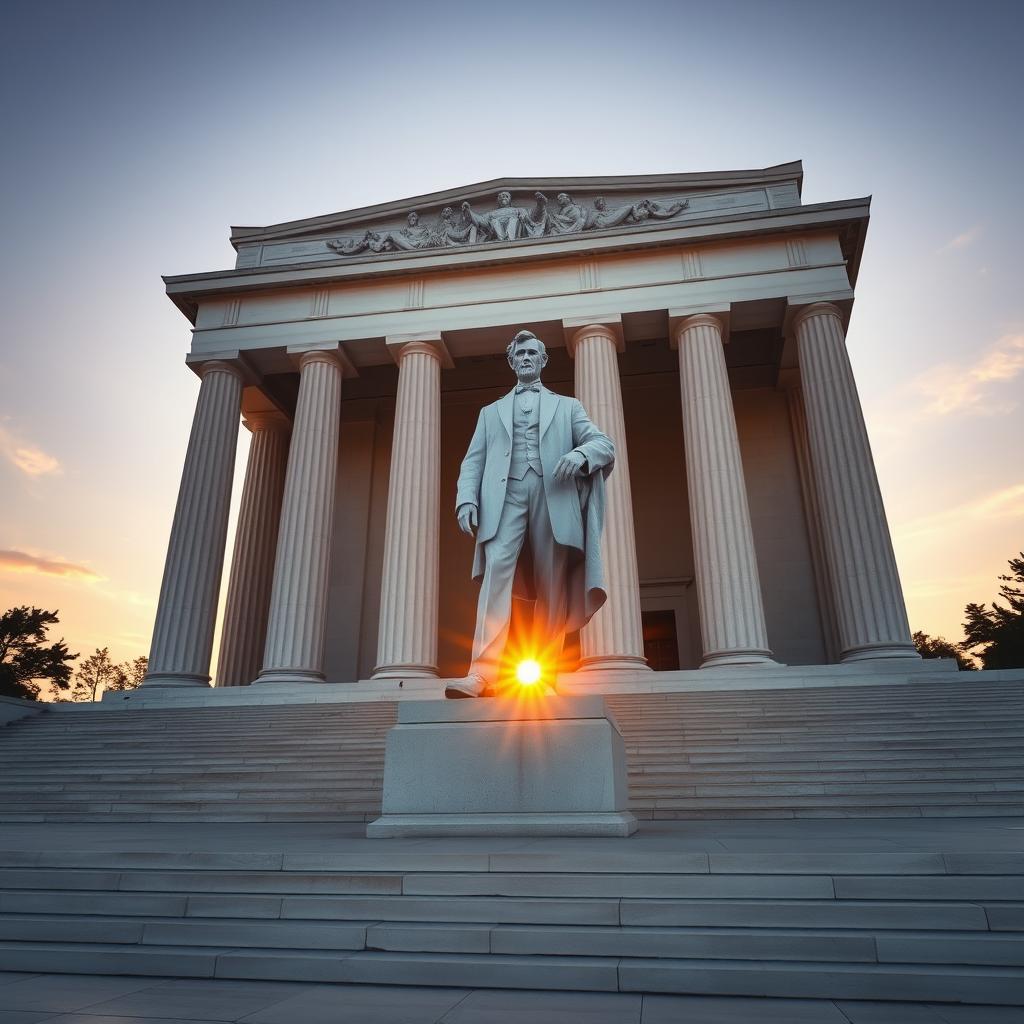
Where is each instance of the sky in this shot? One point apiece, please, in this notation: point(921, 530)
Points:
point(135, 133)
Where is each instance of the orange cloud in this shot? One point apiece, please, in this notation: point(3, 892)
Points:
point(19, 561)
point(963, 239)
point(30, 459)
point(973, 388)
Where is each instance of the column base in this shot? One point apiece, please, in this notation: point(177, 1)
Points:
point(172, 679)
point(873, 652)
point(722, 659)
point(405, 672)
point(289, 675)
point(614, 662)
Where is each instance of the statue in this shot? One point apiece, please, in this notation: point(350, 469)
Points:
point(454, 231)
point(532, 484)
point(509, 222)
point(649, 208)
point(412, 237)
point(568, 217)
point(369, 240)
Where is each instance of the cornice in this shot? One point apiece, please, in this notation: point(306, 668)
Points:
point(850, 216)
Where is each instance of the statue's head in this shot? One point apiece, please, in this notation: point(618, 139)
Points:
point(414, 219)
point(527, 355)
point(447, 213)
point(599, 203)
point(504, 198)
point(563, 198)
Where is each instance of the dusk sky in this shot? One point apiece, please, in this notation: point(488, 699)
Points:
point(136, 133)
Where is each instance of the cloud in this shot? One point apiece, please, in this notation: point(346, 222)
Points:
point(19, 561)
point(1006, 503)
point(960, 241)
point(973, 388)
point(29, 458)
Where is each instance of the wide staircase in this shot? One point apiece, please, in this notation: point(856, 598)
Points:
point(942, 749)
point(879, 926)
point(657, 913)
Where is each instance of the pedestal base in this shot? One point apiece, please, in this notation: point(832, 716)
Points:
point(530, 766)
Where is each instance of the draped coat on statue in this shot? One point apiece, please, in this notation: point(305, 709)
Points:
point(575, 507)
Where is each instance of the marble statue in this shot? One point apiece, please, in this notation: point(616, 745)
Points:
point(569, 217)
point(507, 222)
point(532, 489)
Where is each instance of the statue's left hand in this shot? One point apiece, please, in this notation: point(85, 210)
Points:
point(568, 466)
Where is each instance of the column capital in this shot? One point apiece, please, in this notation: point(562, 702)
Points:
point(797, 314)
point(331, 353)
point(609, 326)
point(266, 419)
point(232, 361)
point(682, 318)
point(427, 342)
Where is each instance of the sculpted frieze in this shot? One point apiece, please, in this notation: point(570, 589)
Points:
point(506, 222)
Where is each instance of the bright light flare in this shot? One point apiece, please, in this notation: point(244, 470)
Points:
point(528, 673)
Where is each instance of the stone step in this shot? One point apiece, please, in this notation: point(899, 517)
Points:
point(762, 943)
point(800, 979)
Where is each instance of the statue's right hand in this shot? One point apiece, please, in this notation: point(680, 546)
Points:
point(467, 518)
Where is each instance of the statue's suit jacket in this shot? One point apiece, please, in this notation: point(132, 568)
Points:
point(575, 507)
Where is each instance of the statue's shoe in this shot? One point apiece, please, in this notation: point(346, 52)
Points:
point(471, 686)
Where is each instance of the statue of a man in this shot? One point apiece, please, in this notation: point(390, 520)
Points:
point(532, 483)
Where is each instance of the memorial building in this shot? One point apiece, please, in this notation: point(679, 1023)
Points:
point(699, 318)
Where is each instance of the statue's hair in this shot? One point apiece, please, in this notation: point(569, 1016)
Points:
point(522, 336)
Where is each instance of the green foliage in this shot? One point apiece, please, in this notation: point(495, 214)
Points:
point(940, 647)
point(999, 631)
point(25, 656)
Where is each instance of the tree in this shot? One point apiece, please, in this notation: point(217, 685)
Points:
point(940, 647)
point(94, 675)
point(26, 657)
point(129, 674)
point(999, 631)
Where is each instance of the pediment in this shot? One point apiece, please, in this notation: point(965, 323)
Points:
point(511, 211)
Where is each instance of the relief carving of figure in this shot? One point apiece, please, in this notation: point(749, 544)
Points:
point(569, 216)
point(370, 240)
point(509, 222)
point(414, 236)
point(453, 230)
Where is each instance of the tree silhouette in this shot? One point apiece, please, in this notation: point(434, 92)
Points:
point(129, 674)
point(94, 675)
point(999, 631)
point(939, 647)
point(25, 655)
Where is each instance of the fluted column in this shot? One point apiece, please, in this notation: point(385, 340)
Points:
point(613, 639)
point(244, 629)
point(870, 611)
point(407, 630)
point(187, 608)
point(812, 516)
point(728, 587)
point(298, 601)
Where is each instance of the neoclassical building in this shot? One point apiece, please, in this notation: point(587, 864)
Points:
point(700, 319)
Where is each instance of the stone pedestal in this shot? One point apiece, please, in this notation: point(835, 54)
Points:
point(530, 766)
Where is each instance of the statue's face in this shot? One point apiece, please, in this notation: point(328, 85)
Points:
point(599, 203)
point(414, 219)
point(447, 213)
point(563, 199)
point(528, 359)
point(504, 198)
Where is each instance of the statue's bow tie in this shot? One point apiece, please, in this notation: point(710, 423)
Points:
point(520, 388)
